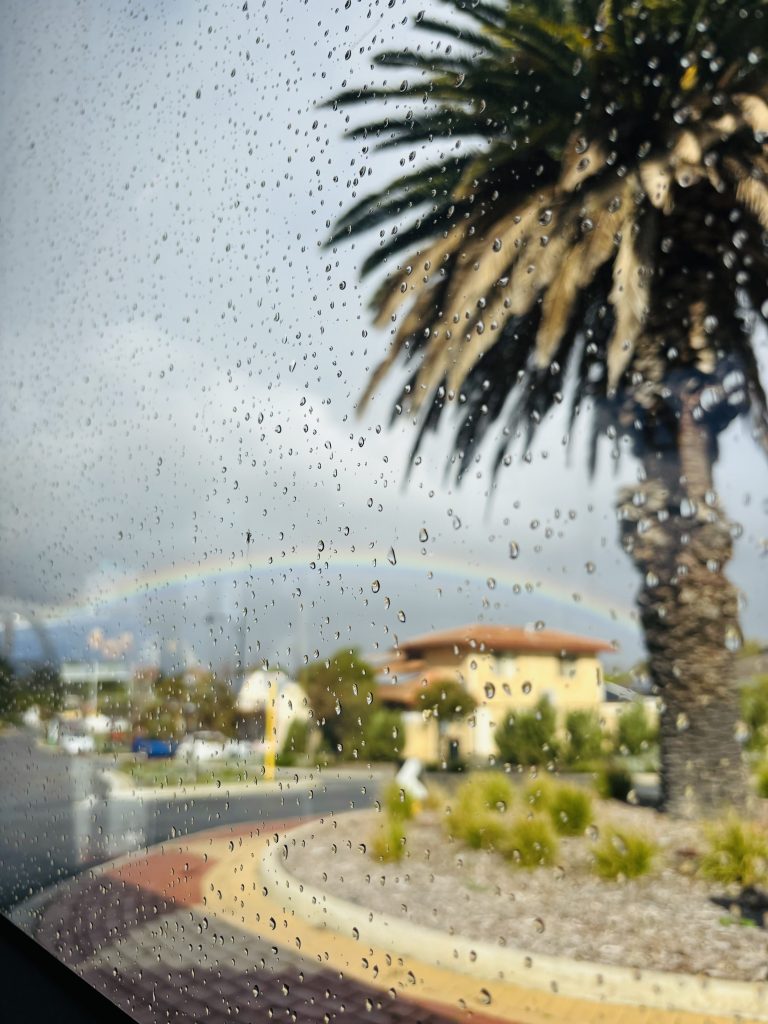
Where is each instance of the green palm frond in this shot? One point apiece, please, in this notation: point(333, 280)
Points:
point(603, 222)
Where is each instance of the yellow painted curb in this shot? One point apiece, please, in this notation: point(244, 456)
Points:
point(235, 890)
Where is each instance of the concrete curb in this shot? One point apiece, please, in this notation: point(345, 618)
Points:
point(586, 980)
point(121, 786)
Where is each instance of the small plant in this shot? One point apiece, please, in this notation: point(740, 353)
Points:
point(614, 782)
point(737, 854)
point(570, 808)
point(398, 803)
point(478, 813)
point(585, 737)
point(529, 842)
point(623, 854)
point(388, 841)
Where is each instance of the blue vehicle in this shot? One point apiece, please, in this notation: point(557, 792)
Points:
point(153, 747)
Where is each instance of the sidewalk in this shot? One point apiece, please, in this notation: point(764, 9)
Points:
point(193, 929)
point(157, 934)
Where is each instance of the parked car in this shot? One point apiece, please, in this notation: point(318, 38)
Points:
point(76, 741)
point(153, 747)
point(207, 746)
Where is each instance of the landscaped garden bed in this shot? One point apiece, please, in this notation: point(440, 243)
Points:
point(497, 868)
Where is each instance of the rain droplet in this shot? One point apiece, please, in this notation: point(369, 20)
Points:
point(514, 549)
point(392, 557)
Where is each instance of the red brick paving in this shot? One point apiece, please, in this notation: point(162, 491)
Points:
point(176, 877)
point(238, 976)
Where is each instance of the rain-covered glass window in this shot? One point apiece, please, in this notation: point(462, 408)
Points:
point(383, 527)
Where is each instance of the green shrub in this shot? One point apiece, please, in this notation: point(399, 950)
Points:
point(737, 853)
point(529, 842)
point(634, 731)
point(570, 808)
point(623, 854)
point(761, 783)
point(754, 711)
point(296, 743)
point(614, 782)
point(384, 736)
point(537, 793)
point(478, 813)
point(388, 840)
point(528, 737)
point(585, 736)
point(436, 798)
point(398, 803)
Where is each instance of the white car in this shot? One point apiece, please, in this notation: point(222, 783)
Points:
point(75, 742)
point(206, 746)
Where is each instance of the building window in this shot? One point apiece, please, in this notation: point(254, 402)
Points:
point(568, 667)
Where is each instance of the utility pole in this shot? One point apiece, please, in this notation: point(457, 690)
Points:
point(270, 730)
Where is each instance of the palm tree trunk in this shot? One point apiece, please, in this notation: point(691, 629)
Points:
point(677, 535)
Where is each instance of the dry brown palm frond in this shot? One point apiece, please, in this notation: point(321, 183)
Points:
point(726, 125)
point(754, 110)
point(426, 265)
point(686, 160)
point(416, 317)
point(751, 187)
point(491, 257)
point(537, 266)
point(486, 332)
point(754, 195)
point(629, 295)
point(577, 270)
point(581, 160)
point(530, 276)
point(698, 338)
point(656, 179)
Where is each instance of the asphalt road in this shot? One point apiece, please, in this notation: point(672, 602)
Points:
point(57, 816)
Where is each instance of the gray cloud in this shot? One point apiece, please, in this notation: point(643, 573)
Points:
point(182, 360)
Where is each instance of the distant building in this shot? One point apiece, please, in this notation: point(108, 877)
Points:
point(85, 680)
point(504, 668)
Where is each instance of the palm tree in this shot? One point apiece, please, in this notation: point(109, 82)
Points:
point(595, 219)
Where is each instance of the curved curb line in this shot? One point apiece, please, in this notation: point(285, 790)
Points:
point(578, 979)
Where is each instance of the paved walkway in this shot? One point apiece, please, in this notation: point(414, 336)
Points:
point(151, 933)
point(189, 932)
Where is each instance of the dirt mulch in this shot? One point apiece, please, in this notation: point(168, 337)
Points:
point(666, 920)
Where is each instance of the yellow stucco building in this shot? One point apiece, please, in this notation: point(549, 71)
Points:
point(504, 668)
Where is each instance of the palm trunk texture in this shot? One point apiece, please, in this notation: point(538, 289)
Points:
point(680, 540)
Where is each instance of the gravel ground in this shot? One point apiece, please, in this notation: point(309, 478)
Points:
point(665, 920)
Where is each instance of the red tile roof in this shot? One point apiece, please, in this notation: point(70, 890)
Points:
point(512, 639)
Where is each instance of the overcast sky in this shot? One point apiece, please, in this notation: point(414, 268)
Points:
point(181, 360)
